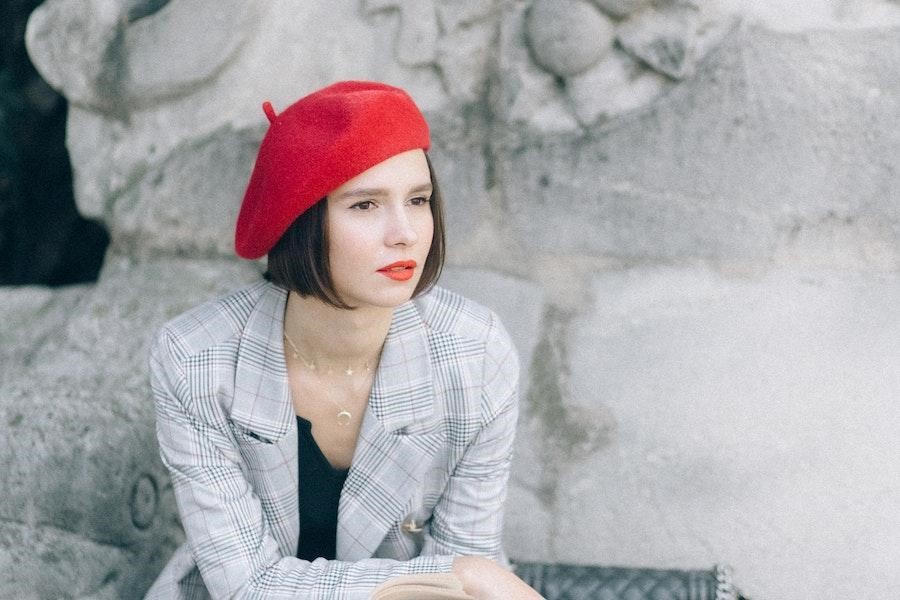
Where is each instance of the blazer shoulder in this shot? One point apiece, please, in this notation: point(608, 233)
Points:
point(212, 322)
point(449, 313)
point(465, 335)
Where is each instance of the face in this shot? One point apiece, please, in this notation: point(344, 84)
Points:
point(379, 231)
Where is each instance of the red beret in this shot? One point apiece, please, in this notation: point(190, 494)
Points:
point(317, 144)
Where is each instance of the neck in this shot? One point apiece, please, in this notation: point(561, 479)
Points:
point(335, 335)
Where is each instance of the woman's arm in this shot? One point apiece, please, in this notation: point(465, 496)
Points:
point(226, 530)
point(468, 518)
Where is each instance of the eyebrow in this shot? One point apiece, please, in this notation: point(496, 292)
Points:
point(380, 192)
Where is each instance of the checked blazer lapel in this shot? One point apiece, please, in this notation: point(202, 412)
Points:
point(261, 405)
point(391, 456)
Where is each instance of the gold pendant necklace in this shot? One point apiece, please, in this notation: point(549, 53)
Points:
point(344, 416)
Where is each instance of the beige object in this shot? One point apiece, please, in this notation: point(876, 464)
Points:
point(431, 586)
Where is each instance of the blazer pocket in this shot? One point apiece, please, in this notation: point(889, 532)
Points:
point(249, 437)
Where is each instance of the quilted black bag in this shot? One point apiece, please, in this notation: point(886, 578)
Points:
point(582, 582)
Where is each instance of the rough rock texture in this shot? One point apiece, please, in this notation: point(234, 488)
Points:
point(664, 38)
point(748, 409)
point(701, 274)
point(160, 214)
point(87, 506)
point(567, 37)
point(619, 8)
point(708, 189)
point(115, 58)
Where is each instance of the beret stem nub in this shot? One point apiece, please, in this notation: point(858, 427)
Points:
point(270, 112)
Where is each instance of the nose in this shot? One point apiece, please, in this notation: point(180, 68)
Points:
point(400, 229)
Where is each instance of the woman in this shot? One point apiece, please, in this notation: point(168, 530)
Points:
point(342, 423)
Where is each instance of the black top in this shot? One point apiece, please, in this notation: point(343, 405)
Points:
point(320, 492)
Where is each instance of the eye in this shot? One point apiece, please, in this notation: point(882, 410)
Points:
point(419, 201)
point(363, 205)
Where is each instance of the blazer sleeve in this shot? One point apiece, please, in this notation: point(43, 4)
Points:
point(228, 536)
point(468, 518)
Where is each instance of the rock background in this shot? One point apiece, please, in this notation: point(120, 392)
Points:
point(686, 213)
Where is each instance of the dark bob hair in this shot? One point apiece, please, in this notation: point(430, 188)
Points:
point(299, 260)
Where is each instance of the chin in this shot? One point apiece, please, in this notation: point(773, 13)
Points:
point(386, 299)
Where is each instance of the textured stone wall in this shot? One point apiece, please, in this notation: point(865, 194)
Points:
point(686, 213)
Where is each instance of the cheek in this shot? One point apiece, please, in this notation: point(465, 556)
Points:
point(426, 229)
point(350, 248)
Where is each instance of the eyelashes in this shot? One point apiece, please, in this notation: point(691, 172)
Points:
point(367, 205)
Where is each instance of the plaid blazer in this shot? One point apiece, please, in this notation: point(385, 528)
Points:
point(428, 476)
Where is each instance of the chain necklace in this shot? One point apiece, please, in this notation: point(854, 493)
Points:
point(344, 416)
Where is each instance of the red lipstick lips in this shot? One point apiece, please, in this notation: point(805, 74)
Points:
point(402, 270)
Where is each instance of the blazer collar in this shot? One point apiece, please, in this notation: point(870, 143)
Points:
point(402, 393)
point(397, 440)
point(262, 397)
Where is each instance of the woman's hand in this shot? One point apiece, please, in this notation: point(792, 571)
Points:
point(486, 580)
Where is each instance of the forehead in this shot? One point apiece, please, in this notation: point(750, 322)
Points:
point(400, 172)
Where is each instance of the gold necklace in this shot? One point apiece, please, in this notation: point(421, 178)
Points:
point(344, 416)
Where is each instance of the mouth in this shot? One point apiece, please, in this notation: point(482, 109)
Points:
point(402, 270)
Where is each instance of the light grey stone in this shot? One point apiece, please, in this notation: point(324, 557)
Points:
point(417, 32)
point(618, 84)
point(461, 164)
point(70, 566)
point(466, 46)
point(188, 203)
point(184, 45)
point(82, 477)
point(755, 423)
point(464, 55)
point(81, 63)
point(527, 523)
point(523, 92)
point(619, 8)
point(664, 37)
point(567, 37)
point(553, 433)
point(111, 64)
point(110, 154)
point(31, 315)
point(729, 166)
point(461, 14)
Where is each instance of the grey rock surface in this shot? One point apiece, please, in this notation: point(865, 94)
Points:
point(567, 37)
point(617, 85)
point(462, 164)
point(663, 37)
point(748, 409)
point(30, 317)
point(524, 93)
point(170, 210)
point(117, 55)
point(84, 486)
point(736, 172)
point(619, 8)
point(417, 34)
point(700, 274)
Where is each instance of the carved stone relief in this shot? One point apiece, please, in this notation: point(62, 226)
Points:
point(455, 38)
point(508, 76)
point(133, 54)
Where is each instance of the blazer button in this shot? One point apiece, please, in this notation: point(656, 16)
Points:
point(409, 525)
